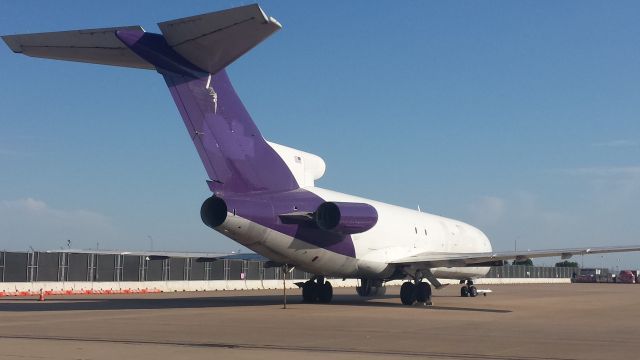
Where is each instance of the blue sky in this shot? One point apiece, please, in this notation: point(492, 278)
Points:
point(521, 118)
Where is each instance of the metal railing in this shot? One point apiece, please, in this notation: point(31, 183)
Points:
point(520, 271)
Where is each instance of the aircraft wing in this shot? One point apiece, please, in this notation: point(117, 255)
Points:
point(447, 259)
point(161, 255)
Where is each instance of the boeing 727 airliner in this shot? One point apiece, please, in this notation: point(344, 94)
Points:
point(263, 194)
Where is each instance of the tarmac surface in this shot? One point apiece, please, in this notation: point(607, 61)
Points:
point(525, 322)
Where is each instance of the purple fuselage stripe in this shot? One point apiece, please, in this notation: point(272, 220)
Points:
point(245, 171)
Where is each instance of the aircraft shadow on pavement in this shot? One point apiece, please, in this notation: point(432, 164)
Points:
point(122, 303)
point(364, 302)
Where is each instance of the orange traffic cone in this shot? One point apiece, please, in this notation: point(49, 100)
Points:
point(41, 298)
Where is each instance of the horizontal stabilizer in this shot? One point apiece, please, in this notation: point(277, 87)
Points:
point(214, 40)
point(96, 46)
point(209, 41)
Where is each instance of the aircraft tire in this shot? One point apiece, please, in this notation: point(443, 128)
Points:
point(310, 292)
point(423, 292)
point(464, 291)
point(473, 292)
point(407, 293)
point(325, 292)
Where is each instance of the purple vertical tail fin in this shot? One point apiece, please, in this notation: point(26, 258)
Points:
point(191, 56)
point(234, 153)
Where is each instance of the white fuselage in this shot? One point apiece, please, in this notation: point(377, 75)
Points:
point(399, 233)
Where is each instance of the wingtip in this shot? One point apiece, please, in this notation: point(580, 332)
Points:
point(11, 43)
point(275, 22)
point(268, 19)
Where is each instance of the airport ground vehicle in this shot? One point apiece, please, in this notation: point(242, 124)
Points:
point(626, 277)
point(592, 275)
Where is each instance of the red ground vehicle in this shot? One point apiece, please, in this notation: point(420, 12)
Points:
point(626, 277)
point(590, 278)
point(592, 275)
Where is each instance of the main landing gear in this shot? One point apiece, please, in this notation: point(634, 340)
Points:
point(317, 290)
point(416, 291)
point(469, 290)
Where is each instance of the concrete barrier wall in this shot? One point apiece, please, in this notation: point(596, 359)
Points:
point(505, 281)
point(127, 287)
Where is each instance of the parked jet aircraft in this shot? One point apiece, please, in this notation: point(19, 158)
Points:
point(263, 194)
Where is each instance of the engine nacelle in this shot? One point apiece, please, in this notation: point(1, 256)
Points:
point(345, 218)
point(213, 212)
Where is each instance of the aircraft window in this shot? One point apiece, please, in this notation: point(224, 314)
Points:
point(425, 232)
point(416, 230)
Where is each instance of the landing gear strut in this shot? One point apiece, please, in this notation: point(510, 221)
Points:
point(469, 290)
point(416, 291)
point(317, 290)
point(371, 288)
